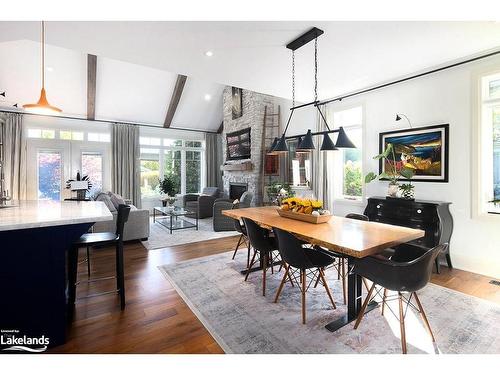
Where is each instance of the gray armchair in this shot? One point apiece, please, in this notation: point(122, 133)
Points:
point(223, 223)
point(202, 203)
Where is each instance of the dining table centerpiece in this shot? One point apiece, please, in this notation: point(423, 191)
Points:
point(308, 210)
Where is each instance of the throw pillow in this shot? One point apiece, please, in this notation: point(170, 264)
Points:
point(103, 197)
point(117, 199)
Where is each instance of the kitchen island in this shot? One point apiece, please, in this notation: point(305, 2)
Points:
point(34, 239)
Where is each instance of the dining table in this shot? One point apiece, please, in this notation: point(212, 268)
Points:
point(351, 238)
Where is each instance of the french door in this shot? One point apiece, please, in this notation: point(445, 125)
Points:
point(52, 162)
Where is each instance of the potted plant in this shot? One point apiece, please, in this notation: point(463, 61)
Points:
point(279, 191)
point(394, 174)
point(167, 187)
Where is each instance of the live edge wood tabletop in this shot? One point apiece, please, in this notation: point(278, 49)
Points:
point(348, 236)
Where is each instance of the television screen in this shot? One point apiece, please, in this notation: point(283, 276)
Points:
point(238, 144)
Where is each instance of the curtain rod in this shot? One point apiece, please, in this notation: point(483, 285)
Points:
point(108, 121)
point(363, 91)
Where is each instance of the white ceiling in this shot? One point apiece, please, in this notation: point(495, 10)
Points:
point(251, 55)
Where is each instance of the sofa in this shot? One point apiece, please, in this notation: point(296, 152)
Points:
point(137, 226)
point(202, 203)
point(224, 223)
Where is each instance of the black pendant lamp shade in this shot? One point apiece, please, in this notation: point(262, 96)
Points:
point(307, 143)
point(281, 146)
point(328, 144)
point(273, 145)
point(343, 140)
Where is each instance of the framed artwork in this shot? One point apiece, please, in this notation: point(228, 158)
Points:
point(237, 102)
point(272, 165)
point(423, 149)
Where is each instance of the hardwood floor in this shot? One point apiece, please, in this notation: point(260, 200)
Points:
point(156, 319)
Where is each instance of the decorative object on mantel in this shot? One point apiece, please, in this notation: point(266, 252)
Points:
point(245, 166)
point(424, 149)
point(307, 210)
point(396, 170)
point(279, 191)
point(167, 187)
point(81, 185)
point(42, 106)
point(237, 102)
point(238, 144)
point(305, 140)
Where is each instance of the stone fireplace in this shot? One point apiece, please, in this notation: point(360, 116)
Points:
point(236, 189)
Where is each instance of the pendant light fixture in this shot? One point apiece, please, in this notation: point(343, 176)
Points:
point(305, 141)
point(42, 106)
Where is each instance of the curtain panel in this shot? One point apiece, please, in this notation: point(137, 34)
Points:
point(14, 154)
point(213, 159)
point(321, 181)
point(125, 167)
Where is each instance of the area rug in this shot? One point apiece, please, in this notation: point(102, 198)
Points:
point(241, 320)
point(159, 236)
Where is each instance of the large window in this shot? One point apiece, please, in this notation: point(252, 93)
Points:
point(348, 172)
point(181, 160)
point(490, 142)
point(49, 169)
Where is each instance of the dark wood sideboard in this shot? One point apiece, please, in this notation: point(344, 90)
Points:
point(431, 216)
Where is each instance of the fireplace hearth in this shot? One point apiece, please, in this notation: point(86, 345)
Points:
point(236, 189)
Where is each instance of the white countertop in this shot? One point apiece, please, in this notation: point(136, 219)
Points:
point(36, 214)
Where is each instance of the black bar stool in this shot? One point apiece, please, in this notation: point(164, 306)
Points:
point(93, 239)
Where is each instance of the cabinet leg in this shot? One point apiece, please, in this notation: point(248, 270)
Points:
point(438, 266)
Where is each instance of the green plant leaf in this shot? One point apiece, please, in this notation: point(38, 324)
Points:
point(387, 176)
point(407, 172)
point(384, 154)
point(370, 177)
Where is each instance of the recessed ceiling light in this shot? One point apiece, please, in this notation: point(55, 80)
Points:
point(208, 97)
point(209, 53)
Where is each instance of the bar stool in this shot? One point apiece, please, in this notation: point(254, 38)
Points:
point(94, 239)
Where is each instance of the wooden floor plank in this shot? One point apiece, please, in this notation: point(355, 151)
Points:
point(156, 319)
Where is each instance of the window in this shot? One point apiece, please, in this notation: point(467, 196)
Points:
point(69, 135)
point(182, 160)
point(92, 165)
point(193, 171)
point(42, 133)
point(490, 142)
point(299, 166)
point(348, 172)
point(98, 137)
point(150, 172)
point(49, 167)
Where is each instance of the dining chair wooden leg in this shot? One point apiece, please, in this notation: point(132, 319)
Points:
point(237, 246)
point(363, 308)
point(323, 279)
point(424, 317)
point(250, 265)
point(383, 300)
point(338, 268)
point(365, 283)
point(344, 284)
point(265, 263)
point(402, 323)
point(282, 284)
point(303, 281)
point(317, 279)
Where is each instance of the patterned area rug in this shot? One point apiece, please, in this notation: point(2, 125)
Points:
point(160, 236)
point(243, 321)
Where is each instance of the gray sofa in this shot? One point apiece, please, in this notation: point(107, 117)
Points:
point(137, 226)
point(203, 203)
point(223, 223)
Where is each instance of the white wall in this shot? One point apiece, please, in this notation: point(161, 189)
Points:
point(444, 97)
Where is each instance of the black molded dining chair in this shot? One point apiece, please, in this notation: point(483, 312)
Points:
point(407, 271)
point(298, 258)
point(98, 239)
point(242, 240)
point(263, 246)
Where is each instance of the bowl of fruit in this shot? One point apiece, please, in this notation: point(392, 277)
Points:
point(308, 210)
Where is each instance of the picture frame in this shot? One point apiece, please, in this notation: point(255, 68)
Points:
point(237, 102)
point(424, 149)
point(271, 165)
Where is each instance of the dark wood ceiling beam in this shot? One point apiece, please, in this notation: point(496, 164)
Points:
point(91, 85)
point(174, 101)
point(221, 128)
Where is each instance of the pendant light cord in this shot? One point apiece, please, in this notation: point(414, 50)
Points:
point(43, 54)
point(316, 69)
point(293, 78)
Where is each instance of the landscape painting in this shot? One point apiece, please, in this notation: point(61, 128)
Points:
point(425, 150)
point(237, 102)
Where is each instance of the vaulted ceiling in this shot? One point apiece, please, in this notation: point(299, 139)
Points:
point(138, 62)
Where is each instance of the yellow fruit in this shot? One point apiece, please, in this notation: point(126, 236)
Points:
point(301, 210)
point(285, 207)
point(308, 210)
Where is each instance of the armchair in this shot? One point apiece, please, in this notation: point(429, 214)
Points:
point(202, 203)
point(223, 223)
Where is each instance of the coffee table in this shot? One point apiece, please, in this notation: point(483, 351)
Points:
point(174, 218)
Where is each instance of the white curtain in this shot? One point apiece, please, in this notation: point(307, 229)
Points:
point(321, 160)
point(14, 154)
point(125, 168)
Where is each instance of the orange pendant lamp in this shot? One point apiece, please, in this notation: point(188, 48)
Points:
point(42, 106)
